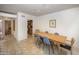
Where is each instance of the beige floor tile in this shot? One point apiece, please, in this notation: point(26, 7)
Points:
point(26, 47)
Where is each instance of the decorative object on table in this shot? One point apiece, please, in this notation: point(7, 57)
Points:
point(52, 23)
point(37, 30)
point(46, 31)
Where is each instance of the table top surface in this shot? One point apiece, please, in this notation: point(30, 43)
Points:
point(53, 37)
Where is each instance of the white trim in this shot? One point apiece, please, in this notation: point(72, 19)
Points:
point(8, 15)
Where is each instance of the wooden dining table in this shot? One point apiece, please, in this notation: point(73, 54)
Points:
point(53, 37)
point(59, 39)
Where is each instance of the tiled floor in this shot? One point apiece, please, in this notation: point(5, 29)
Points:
point(10, 46)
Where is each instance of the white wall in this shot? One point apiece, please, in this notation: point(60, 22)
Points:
point(66, 23)
point(21, 25)
point(2, 32)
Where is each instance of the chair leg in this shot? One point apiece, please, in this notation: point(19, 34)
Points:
point(71, 52)
point(36, 42)
point(53, 48)
point(61, 50)
point(39, 43)
point(49, 49)
point(43, 46)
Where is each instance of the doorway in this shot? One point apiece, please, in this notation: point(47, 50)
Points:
point(29, 27)
point(7, 27)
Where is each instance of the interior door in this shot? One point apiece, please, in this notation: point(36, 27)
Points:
point(29, 26)
point(7, 27)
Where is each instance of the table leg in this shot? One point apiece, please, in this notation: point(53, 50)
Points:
point(58, 48)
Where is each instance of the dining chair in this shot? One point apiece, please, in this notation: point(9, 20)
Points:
point(68, 47)
point(48, 44)
point(56, 33)
point(38, 40)
point(55, 43)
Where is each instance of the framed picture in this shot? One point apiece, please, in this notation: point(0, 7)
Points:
point(52, 23)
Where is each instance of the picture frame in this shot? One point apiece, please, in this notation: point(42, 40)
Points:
point(52, 23)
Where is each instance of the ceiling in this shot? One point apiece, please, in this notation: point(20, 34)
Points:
point(36, 9)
